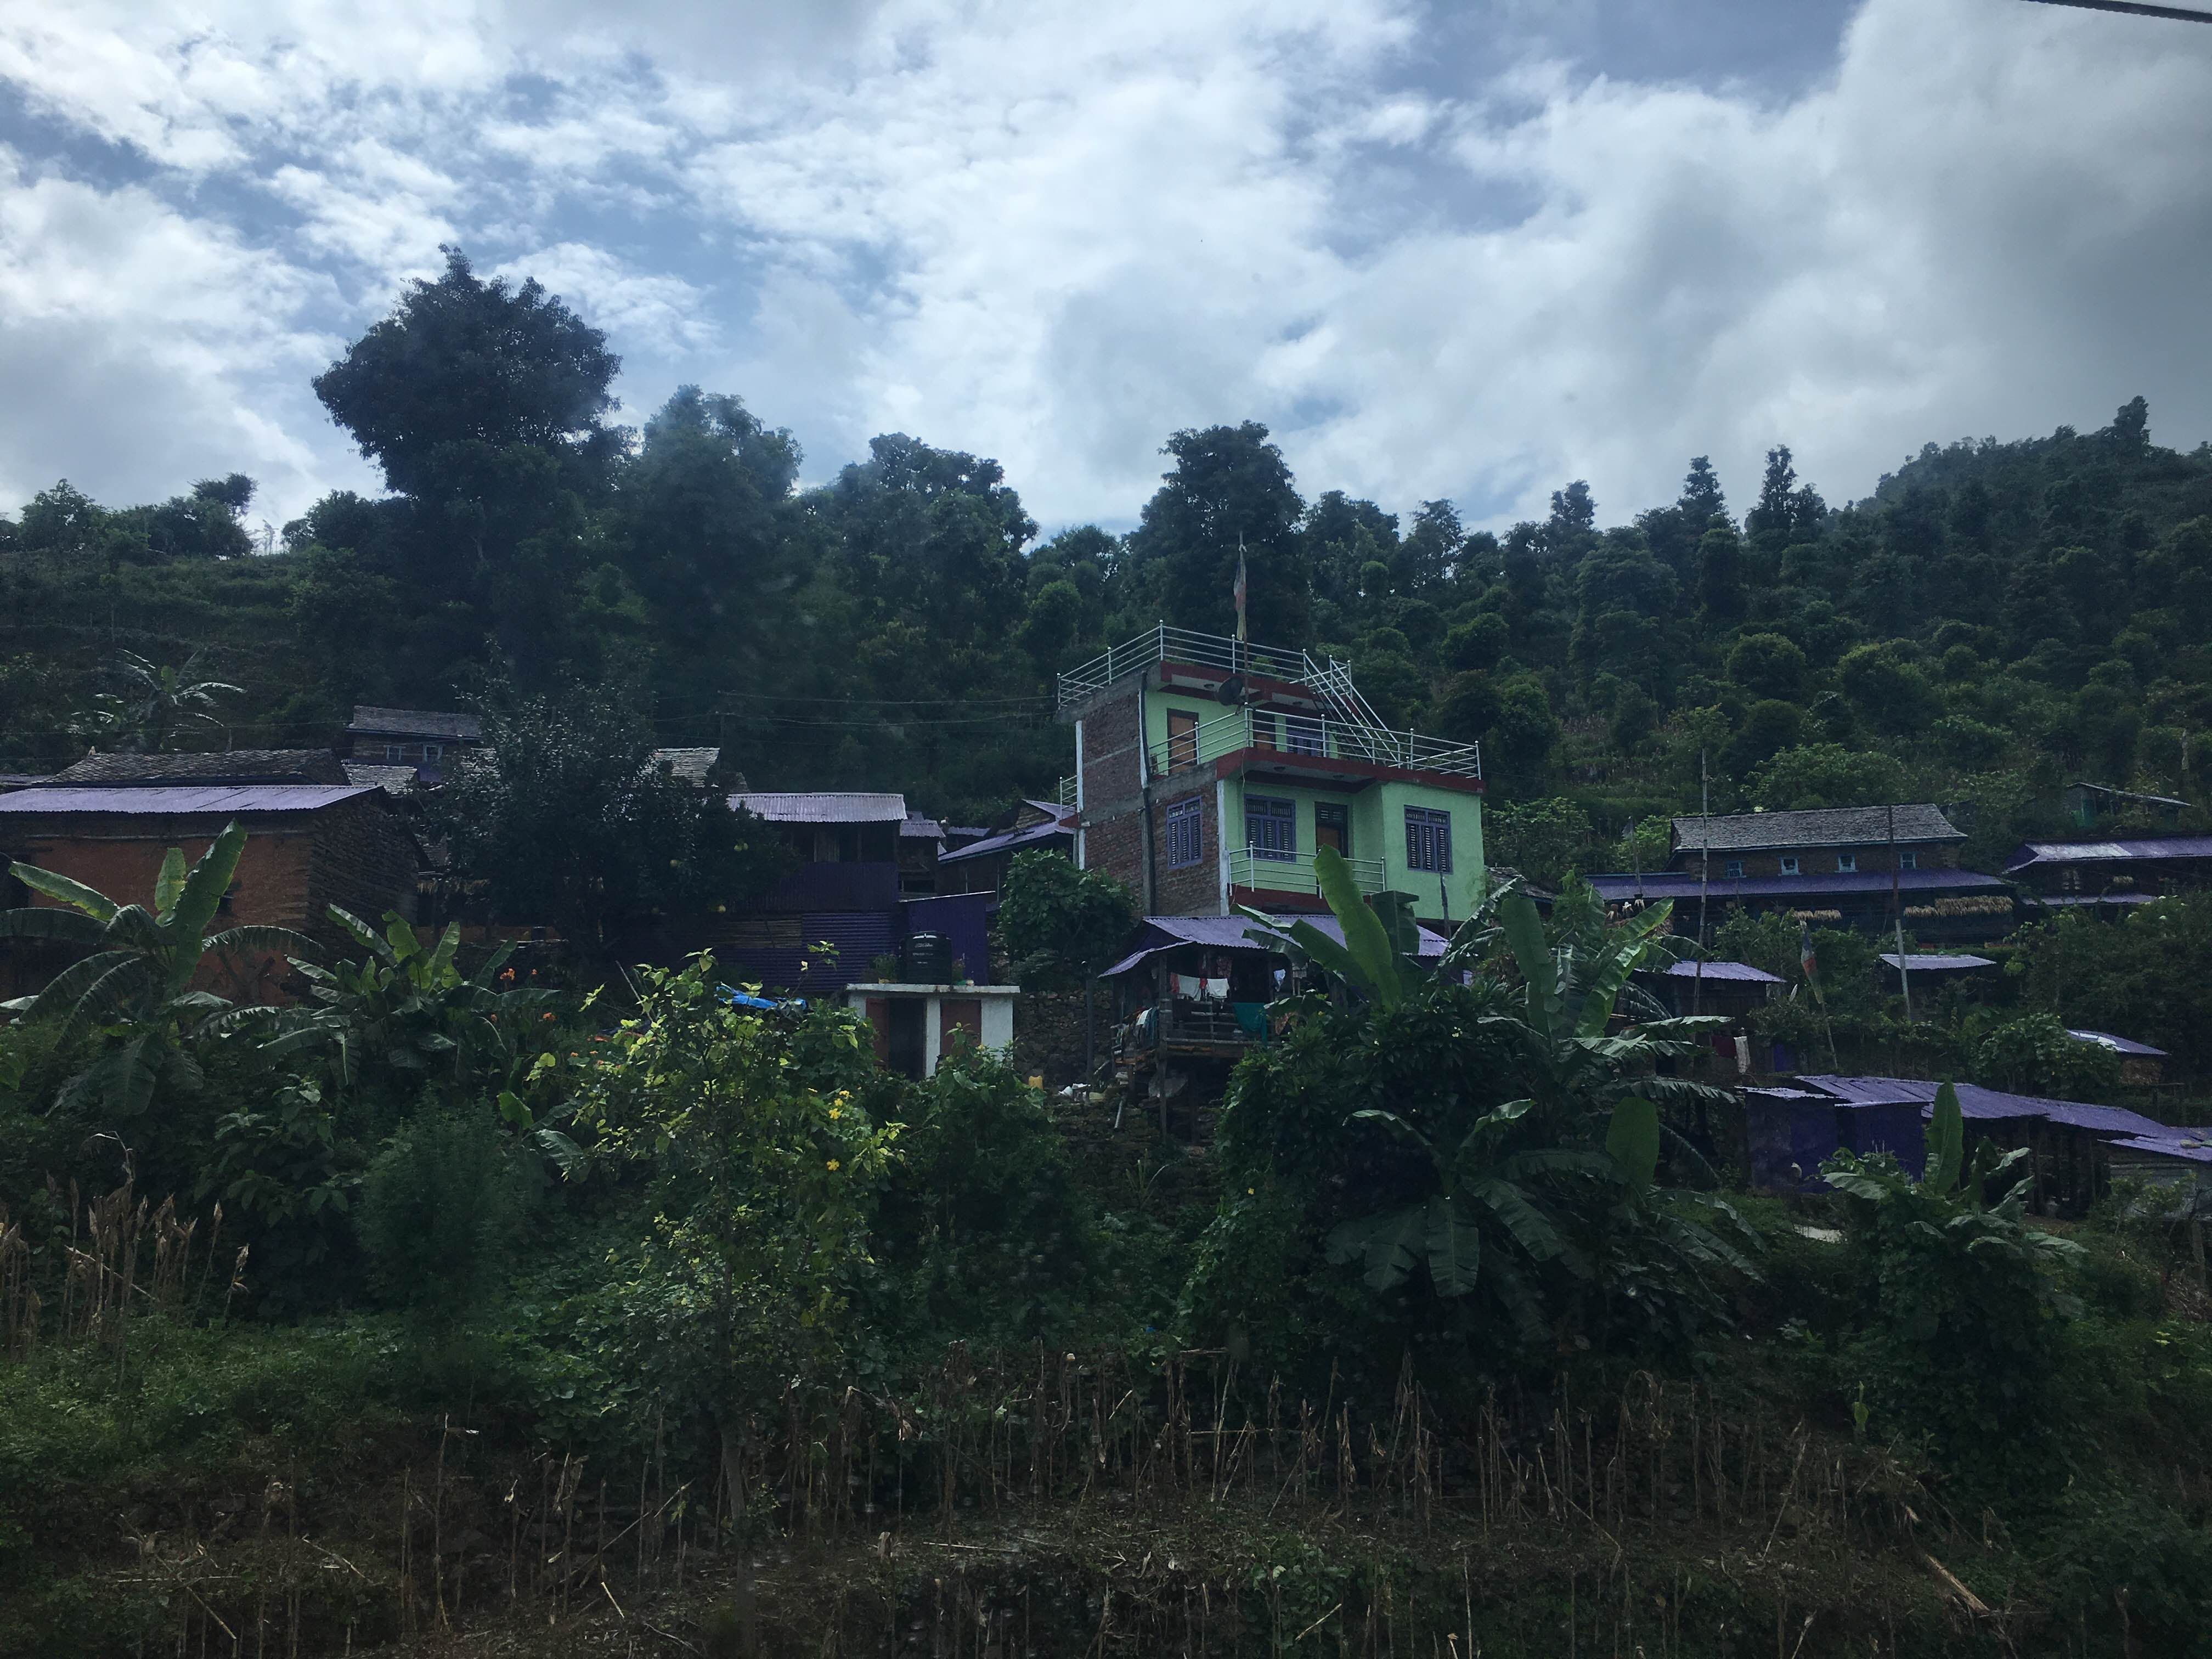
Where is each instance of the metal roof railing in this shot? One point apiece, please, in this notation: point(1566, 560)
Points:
point(1310, 737)
point(1165, 644)
point(1256, 869)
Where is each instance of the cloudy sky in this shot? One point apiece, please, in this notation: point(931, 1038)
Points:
point(1473, 249)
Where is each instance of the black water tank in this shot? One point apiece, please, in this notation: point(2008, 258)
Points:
point(927, 960)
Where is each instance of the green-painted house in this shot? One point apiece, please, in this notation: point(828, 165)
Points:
point(1209, 771)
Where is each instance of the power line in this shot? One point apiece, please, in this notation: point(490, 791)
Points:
point(2136, 8)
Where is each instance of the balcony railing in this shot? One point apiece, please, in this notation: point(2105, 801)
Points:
point(1312, 737)
point(1165, 644)
point(1181, 1020)
point(1249, 867)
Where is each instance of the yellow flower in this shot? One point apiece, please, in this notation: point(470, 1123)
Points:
point(836, 1111)
point(833, 1162)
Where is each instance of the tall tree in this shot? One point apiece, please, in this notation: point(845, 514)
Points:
point(1229, 486)
point(463, 367)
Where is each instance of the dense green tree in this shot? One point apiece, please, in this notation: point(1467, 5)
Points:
point(465, 369)
point(1230, 490)
point(1768, 665)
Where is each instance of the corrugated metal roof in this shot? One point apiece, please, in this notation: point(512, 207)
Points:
point(2079, 901)
point(416, 723)
point(1012, 838)
point(183, 799)
point(1932, 962)
point(1843, 826)
point(2118, 1045)
point(209, 766)
point(821, 808)
point(2034, 853)
point(1994, 1105)
point(922, 829)
point(1618, 885)
point(2192, 1152)
point(1228, 932)
point(1741, 973)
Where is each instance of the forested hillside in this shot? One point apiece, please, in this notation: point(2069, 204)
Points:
point(1996, 617)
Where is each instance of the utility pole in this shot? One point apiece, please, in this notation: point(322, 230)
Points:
point(1897, 914)
point(1705, 882)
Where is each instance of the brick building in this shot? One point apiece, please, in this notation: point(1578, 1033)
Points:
point(1210, 771)
point(308, 847)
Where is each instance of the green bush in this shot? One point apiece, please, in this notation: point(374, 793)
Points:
point(438, 1213)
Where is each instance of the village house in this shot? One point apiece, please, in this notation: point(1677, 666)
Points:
point(429, 739)
point(1835, 867)
point(1209, 773)
point(308, 847)
point(2114, 873)
point(981, 864)
point(2075, 1149)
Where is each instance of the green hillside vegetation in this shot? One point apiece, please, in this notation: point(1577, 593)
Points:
point(1996, 618)
point(451, 1311)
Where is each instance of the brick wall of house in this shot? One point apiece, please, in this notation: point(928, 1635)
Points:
point(1116, 845)
point(364, 862)
point(121, 856)
point(1111, 737)
point(1196, 891)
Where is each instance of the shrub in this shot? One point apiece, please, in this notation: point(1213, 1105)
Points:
point(438, 1211)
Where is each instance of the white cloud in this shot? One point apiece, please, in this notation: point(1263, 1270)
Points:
point(140, 349)
point(1053, 231)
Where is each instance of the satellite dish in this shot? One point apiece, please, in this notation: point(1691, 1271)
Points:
point(1231, 692)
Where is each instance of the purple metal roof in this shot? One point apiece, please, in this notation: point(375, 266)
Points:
point(821, 808)
point(1741, 973)
point(1931, 962)
point(1617, 885)
point(2034, 852)
point(1994, 1105)
point(2195, 1150)
point(1012, 838)
point(1228, 932)
point(165, 799)
point(2118, 1045)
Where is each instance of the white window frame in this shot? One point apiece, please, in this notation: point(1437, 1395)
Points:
point(1790, 866)
point(1847, 864)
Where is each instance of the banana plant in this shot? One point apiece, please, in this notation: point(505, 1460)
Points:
point(136, 980)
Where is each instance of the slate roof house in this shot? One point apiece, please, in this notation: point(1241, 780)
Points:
point(1209, 771)
point(308, 847)
point(1835, 866)
point(425, 738)
point(208, 766)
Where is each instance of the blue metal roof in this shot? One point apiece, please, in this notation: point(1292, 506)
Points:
point(1035, 833)
point(1616, 886)
point(2118, 1045)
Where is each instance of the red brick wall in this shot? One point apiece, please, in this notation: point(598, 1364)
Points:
point(1117, 847)
point(1195, 891)
point(364, 860)
point(293, 863)
point(1110, 741)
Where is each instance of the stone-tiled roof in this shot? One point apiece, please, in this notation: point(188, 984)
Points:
point(1838, 826)
point(443, 724)
point(225, 766)
point(692, 765)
